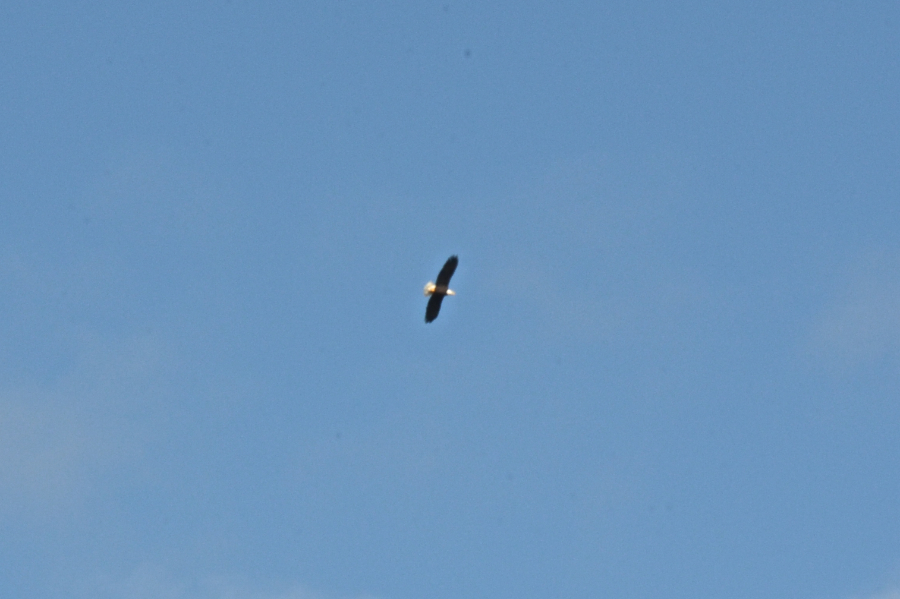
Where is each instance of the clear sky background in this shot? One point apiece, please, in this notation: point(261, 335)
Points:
point(672, 369)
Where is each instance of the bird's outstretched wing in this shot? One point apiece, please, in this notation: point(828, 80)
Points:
point(443, 278)
point(434, 306)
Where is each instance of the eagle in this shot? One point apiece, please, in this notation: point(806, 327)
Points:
point(438, 290)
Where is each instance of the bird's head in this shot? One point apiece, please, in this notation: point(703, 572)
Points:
point(429, 288)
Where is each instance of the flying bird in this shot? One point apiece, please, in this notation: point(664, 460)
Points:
point(438, 290)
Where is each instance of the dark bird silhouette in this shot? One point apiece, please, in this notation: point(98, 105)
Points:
point(438, 290)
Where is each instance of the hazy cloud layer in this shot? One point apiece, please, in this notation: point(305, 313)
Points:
point(887, 594)
point(57, 436)
point(153, 582)
point(861, 324)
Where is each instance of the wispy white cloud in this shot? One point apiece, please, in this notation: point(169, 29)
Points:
point(886, 594)
point(153, 582)
point(554, 302)
point(597, 309)
point(861, 324)
point(43, 450)
point(615, 229)
point(57, 435)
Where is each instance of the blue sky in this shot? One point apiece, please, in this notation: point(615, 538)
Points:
point(671, 370)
